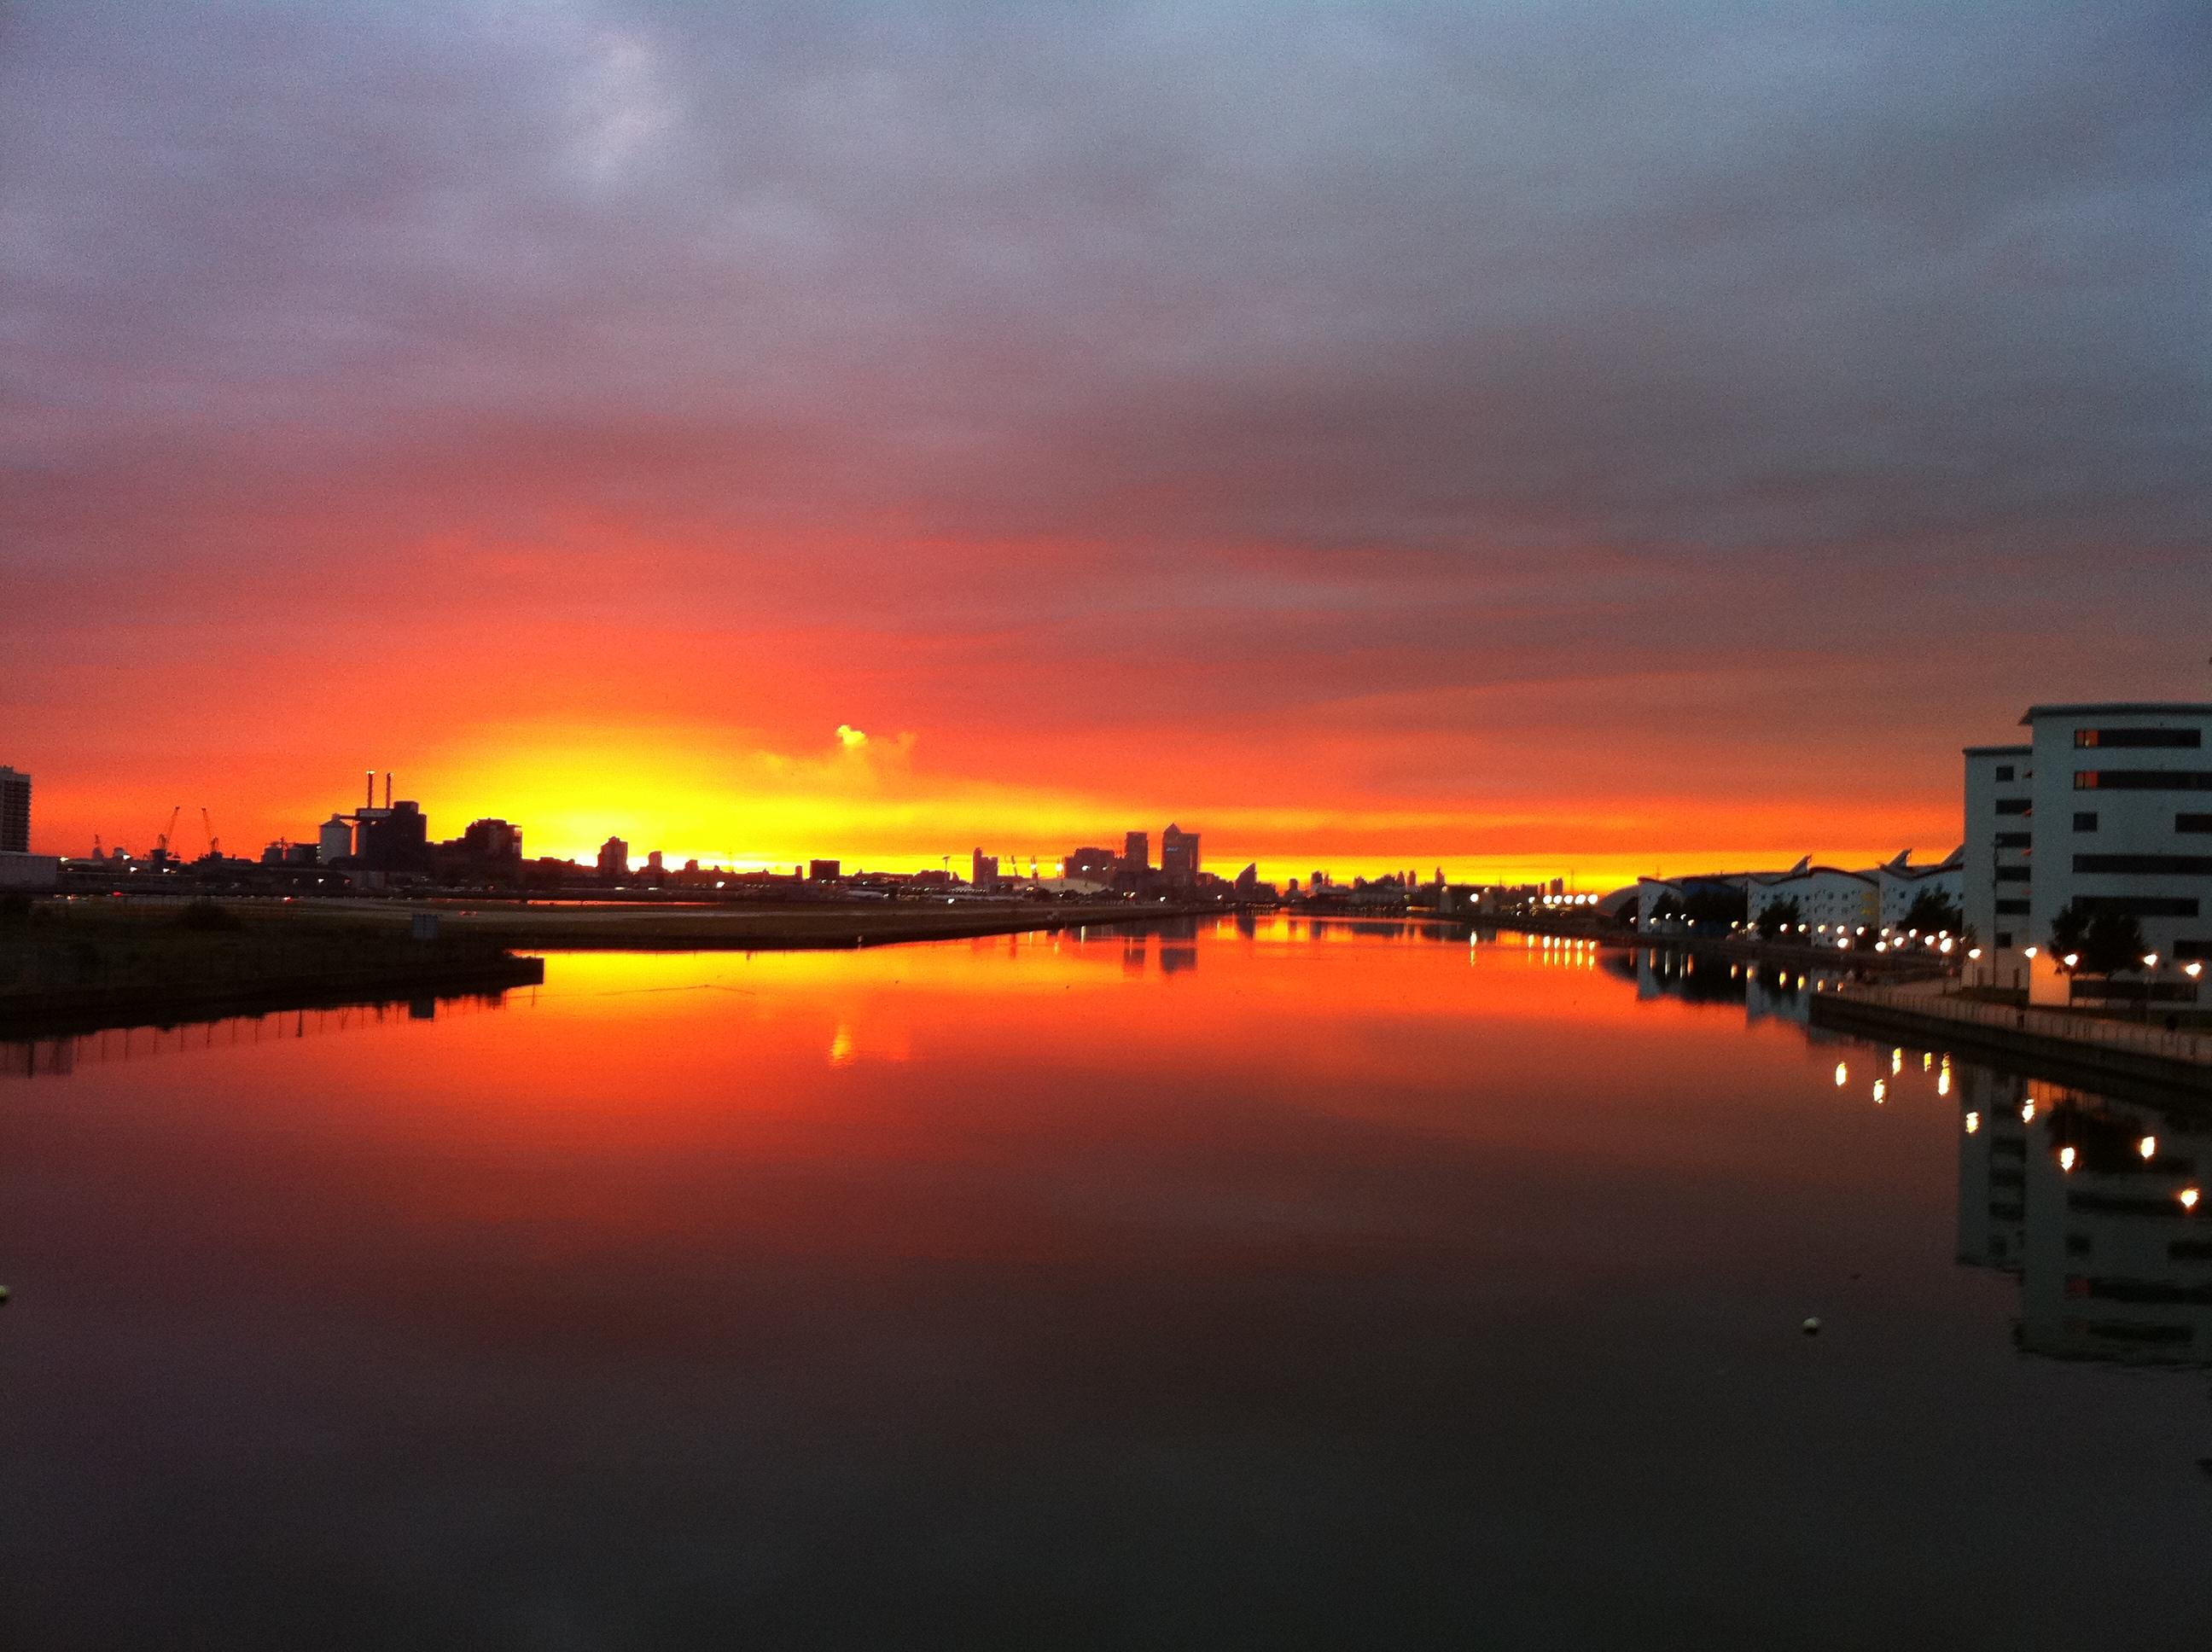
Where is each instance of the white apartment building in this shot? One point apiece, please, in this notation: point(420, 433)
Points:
point(1901, 884)
point(1995, 882)
point(1831, 901)
point(2122, 806)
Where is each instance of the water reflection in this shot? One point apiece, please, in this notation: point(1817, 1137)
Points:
point(57, 1056)
point(2083, 1197)
point(1338, 1283)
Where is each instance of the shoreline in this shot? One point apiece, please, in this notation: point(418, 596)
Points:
point(61, 1012)
point(2052, 1043)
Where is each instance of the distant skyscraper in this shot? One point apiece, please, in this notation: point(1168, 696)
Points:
point(1137, 851)
point(614, 859)
point(14, 812)
point(985, 870)
point(1179, 855)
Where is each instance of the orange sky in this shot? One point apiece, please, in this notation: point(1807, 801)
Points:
point(1357, 443)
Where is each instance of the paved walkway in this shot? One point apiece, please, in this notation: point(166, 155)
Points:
point(1930, 998)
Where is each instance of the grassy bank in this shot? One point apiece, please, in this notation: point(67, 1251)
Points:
point(743, 928)
point(80, 964)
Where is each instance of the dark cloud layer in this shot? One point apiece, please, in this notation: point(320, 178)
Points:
point(1535, 338)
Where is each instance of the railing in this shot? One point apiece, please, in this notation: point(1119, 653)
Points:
point(1927, 998)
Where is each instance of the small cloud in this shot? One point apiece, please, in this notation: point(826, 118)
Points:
point(849, 737)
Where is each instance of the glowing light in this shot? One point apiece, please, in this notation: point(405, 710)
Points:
point(2028, 1112)
point(1897, 1060)
point(1973, 951)
point(1843, 1075)
point(2066, 1158)
point(2027, 952)
point(2192, 970)
point(2189, 1198)
point(1973, 1123)
point(2071, 959)
point(2150, 960)
point(2147, 1147)
point(1880, 1091)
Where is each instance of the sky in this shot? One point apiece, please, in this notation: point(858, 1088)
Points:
point(1520, 438)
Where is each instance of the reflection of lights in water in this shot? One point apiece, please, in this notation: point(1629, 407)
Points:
point(1927, 1060)
point(2147, 1147)
point(1974, 1122)
point(1843, 1075)
point(2065, 1158)
point(841, 1050)
point(1881, 1090)
point(1943, 1081)
point(1897, 1060)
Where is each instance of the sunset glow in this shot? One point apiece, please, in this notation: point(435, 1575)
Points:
point(807, 432)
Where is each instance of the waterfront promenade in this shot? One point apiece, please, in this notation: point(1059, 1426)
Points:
point(2096, 1046)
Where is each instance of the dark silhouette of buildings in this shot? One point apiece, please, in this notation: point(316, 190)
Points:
point(1137, 851)
point(396, 838)
point(614, 859)
point(1179, 856)
point(14, 812)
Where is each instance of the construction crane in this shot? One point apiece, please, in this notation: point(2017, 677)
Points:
point(161, 839)
point(215, 843)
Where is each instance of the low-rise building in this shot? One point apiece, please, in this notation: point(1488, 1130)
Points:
point(1831, 902)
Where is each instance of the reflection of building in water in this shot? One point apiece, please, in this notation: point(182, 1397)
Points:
point(44, 1057)
point(1177, 957)
point(2095, 1204)
point(1765, 993)
point(1992, 1145)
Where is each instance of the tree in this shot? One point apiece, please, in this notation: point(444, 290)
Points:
point(2102, 943)
point(2069, 929)
point(1779, 915)
point(1932, 912)
point(2115, 942)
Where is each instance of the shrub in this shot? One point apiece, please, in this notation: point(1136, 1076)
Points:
point(208, 916)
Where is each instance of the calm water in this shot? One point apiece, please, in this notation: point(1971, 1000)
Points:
point(1286, 1287)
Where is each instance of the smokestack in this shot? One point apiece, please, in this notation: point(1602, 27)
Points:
point(369, 800)
point(387, 788)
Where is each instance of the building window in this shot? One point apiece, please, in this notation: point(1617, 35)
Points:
point(2191, 737)
point(2187, 949)
point(2012, 908)
point(2192, 823)
point(2013, 807)
point(2141, 779)
point(2004, 939)
point(2014, 840)
point(2085, 820)
point(2004, 772)
point(2019, 874)
point(2144, 865)
point(2137, 906)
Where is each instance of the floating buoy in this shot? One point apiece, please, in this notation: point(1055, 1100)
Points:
point(1811, 1326)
